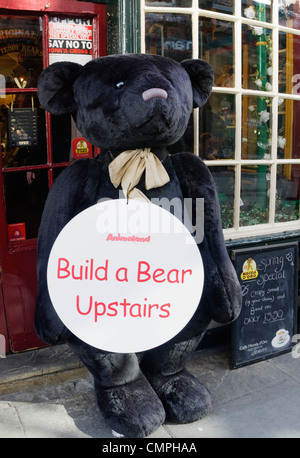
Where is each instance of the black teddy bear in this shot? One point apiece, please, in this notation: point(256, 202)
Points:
point(126, 102)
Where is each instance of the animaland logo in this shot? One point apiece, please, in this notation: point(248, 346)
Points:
point(133, 238)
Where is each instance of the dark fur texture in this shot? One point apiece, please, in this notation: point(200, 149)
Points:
point(136, 395)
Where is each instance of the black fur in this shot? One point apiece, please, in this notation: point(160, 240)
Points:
point(136, 395)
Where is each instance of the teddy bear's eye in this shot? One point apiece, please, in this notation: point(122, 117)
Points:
point(120, 84)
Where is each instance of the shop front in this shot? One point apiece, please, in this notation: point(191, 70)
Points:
point(247, 133)
point(35, 147)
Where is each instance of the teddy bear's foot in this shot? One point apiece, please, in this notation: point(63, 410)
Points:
point(185, 398)
point(131, 410)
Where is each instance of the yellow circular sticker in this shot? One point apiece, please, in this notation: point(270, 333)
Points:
point(249, 270)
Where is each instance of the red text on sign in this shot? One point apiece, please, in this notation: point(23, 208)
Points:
point(123, 309)
point(161, 275)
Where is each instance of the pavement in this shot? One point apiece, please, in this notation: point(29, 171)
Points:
point(47, 393)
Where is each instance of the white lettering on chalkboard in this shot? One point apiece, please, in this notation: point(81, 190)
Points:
point(277, 261)
point(263, 279)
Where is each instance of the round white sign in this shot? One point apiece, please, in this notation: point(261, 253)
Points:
point(125, 276)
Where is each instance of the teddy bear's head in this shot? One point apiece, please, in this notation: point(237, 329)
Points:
point(127, 101)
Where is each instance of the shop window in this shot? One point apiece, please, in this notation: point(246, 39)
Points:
point(23, 131)
point(35, 146)
point(257, 58)
point(21, 52)
point(217, 128)
point(62, 135)
point(256, 127)
point(257, 10)
point(216, 40)
point(173, 3)
point(248, 132)
point(254, 203)
point(25, 196)
point(225, 180)
point(289, 63)
point(221, 6)
point(287, 193)
point(169, 35)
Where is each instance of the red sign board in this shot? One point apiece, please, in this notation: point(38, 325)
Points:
point(16, 232)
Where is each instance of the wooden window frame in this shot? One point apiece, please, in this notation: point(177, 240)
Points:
point(238, 20)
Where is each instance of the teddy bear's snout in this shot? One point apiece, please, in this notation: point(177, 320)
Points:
point(154, 92)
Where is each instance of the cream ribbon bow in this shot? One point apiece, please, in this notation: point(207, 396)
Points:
point(127, 169)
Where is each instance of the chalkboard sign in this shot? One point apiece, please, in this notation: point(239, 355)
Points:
point(23, 129)
point(267, 322)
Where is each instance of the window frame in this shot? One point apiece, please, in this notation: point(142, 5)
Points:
point(238, 20)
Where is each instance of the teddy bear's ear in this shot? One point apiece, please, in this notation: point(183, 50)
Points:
point(202, 77)
point(55, 87)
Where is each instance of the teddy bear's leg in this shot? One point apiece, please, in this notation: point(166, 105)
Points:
point(127, 401)
point(184, 397)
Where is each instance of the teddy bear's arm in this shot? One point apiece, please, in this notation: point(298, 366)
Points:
point(222, 291)
point(73, 191)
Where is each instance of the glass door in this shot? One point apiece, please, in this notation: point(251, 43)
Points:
point(35, 146)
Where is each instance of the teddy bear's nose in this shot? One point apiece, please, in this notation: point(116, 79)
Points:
point(154, 92)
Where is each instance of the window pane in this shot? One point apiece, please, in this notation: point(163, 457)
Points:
point(260, 10)
point(254, 203)
point(61, 127)
point(169, 35)
point(288, 129)
point(287, 201)
point(257, 58)
point(221, 6)
point(216, 47)
point(113, 32)
point(57, 171)
point(25, 200)
point(182, 3)
point(289, 63)
point(21, 52)
point(224, 179)
point(256, 128)
point(217, 127)
point(23, 131)
point(289, 13)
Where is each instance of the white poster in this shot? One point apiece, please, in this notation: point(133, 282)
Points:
point(125, 276)
point(70, 39)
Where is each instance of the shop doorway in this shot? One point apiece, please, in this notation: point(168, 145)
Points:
point(35, 146)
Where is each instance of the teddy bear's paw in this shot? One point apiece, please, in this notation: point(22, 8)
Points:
point(185, 398)
point(131, 410)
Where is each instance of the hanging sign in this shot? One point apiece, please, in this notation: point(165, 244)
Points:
point(268, 319)
point(22, 127)
point(81, 148)
point(125, 276)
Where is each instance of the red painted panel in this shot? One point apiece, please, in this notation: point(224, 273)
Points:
point(19, 291)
